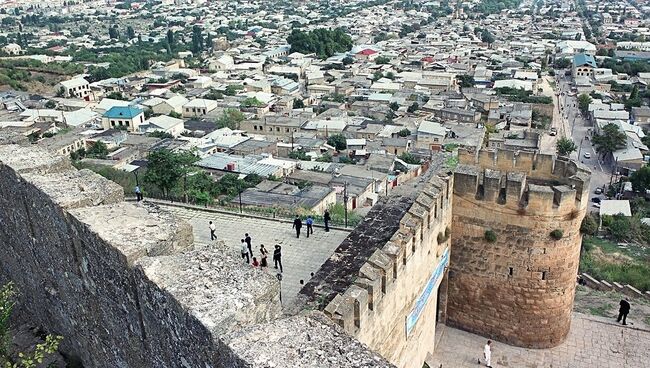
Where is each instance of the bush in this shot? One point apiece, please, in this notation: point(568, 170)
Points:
point(557, 234)
point(490, 236)
point(589, 225)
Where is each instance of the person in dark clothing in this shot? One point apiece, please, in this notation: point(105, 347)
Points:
point(327, 219)
point(297, 224)
point(623, 310)
point(264, 254)
point(248, 243)
point(277, 257)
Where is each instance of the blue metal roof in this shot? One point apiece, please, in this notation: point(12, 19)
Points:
point(122, 112)
point(584, 59)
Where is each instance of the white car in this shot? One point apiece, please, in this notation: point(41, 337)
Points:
point(587, 155)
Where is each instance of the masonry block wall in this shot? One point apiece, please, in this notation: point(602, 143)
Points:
point(519, 288)
point(125, 286)
point(382, 291)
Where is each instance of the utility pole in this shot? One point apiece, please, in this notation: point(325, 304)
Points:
point(345, 202)
point(580, 148)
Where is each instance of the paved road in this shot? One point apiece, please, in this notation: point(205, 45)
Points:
point(300, 257)
point(579, 129)
point(593, 342)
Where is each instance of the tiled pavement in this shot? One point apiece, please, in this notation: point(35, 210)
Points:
point(300, 257)
point(593, 342)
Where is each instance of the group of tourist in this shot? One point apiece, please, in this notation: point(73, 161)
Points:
point(249, 258)
point(309, 222)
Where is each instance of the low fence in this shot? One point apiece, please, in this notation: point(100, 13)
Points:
point(603, 285)
point(279, 213)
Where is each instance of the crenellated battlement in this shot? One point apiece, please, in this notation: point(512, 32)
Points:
point(423, 229)
point(522, 180)
point(516, 236)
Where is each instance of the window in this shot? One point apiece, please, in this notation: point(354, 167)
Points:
point(254, 127)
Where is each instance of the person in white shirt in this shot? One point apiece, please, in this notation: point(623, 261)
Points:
point(487, 354)
point(213, 228)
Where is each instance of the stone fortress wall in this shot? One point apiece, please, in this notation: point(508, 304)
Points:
point(518, 289)
point(372, 282)
point(126, 287)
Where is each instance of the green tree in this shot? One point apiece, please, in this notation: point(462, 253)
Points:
point(465, 81)
point(322, 42)
point(230, 118)
point(338, 141)
point(589, 225)
point(197, 40)
point(610, 140)
point(326, 157)
point(404, 132)
point(348, 60)
point(394, 106)
point(382, 60)
point(170, 38)
point(232, 89)
point(113, 32)
point(564, 146)
point(50, 104)
point(166, 168)
point(213, 94)
point(583, 103)
point(641, 179)
point(413, 108)
point(487, 37)
point(298, 104)
point(130, 33)
point(251, 102)
point(299, 155)
point(8, 296)
point(409, 158)
point(97, 150)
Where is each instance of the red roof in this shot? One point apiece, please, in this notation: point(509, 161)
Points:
point(366, 52)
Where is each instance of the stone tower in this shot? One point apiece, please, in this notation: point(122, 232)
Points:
point(515, 245)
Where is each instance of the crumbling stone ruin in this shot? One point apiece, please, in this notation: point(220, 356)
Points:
point(126, 285)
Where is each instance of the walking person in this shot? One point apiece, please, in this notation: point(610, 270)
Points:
point(277, 257)
point(244, 252)
point(264, 253)
point(138, 193)
point(297, 224)
point(487, 354)
point(327, 219)
point(248, 240)
point(255, 263)
point(213, 228)
point(310, 224)
point(623, 310)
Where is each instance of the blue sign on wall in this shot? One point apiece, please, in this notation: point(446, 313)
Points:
point(421, 301)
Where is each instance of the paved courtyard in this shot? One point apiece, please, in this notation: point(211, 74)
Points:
point(300, 257)
point(593, 342)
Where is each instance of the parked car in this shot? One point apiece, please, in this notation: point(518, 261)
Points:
point(587, 155)
point(598, 191)
point(595, 200)
point(553, 131)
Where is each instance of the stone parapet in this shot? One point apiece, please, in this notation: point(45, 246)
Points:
point(401, 241)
